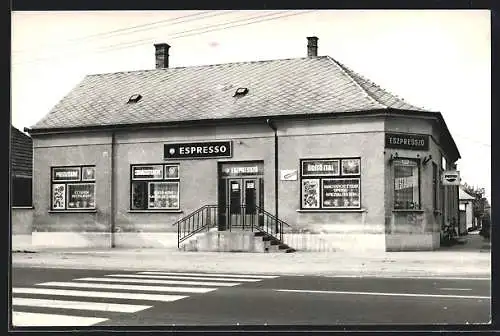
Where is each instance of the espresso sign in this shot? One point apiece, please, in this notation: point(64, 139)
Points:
point(198, 150)
point(407, 141)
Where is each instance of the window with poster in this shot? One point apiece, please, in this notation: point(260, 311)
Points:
point(330, 184)
point(73, 188)
point(406, 184)
point(154, 187)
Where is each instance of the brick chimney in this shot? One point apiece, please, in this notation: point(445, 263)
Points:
point(312, 46)
point(161, 55)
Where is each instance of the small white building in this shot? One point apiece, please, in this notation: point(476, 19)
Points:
point(466, 211)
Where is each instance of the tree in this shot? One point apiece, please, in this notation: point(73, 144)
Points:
point(480, 206)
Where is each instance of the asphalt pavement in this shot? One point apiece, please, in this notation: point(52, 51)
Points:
point(85, 297)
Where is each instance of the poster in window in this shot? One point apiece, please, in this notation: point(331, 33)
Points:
point(58, 196)
point(139, 195)
point(350, 166)
point(320, 168)
point(164, 195)
point(88, 173)
point(81, 196)
point(172, 172)
point(341, 193)
point(310, 193)
point(62, 174)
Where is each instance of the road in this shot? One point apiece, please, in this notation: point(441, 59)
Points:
point(66, 297)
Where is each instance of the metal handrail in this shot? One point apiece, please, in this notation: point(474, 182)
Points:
point(252, 218)
point(191, 224)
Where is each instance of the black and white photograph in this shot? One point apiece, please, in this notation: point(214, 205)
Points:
point(265, 169)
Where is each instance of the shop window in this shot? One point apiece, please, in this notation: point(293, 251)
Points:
point(330, 183)
point(406, 184)
point(154, 187)
point(21, 192)
point(73, 188)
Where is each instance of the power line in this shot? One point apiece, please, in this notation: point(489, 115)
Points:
point(181, 34)
point(125, 30)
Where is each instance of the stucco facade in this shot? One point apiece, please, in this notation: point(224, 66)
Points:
point(374, 226)
point(342, 162)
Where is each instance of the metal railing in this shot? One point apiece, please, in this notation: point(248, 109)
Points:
point(199, 220)
point(230, 218)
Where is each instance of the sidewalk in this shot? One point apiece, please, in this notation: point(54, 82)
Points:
point(471, 259)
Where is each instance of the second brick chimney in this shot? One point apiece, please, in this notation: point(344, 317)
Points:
point(161, 55)
point(312, 46)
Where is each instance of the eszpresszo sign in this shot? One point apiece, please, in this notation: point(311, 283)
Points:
point(407, 141)
point(198, 150)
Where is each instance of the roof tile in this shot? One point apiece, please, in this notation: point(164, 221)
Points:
point(276, 87)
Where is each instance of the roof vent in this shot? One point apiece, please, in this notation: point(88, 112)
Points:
point(240, 92)
point(134, 98)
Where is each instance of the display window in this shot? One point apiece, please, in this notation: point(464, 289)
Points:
point(330, 183)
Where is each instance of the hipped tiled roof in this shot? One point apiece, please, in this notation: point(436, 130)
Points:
point(21, 153)
point(277, 87)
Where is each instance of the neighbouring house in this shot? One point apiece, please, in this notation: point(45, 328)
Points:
point(287, 154)
point(467, 220)
point(21, 158)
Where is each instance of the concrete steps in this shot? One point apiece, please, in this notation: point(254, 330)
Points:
point(235, 241)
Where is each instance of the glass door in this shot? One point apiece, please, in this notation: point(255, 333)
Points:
point(243, 197)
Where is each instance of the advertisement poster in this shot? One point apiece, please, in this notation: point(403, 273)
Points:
point(172, 172)
point(320, 168)
point(341, 193)
point(164, 195)
point(58, 196)
point(81, 196)
point(154, 172)
point(88, 174)
point(66, 174)
point(310, 193)
point(351, 166)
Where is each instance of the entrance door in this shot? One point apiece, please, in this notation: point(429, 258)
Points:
point(242, 198)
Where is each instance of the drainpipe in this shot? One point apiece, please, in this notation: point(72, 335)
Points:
point(271, 124)
point(112, 190)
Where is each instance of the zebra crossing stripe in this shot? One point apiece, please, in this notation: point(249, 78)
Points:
point(22, 319)
point(83, 293)
point(80, 305)
point(164, 282)
point(142, 276)
point(214, 275)
point(128, 287)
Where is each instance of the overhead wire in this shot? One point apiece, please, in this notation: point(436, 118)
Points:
point(126, 30)
point(186, 33)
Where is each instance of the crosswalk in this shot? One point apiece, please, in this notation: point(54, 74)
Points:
point(87, 301)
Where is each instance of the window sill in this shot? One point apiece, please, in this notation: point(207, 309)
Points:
point(23, 207)
point(74, 211)
point(331, 210)
point(408, 210)
point(155, 211)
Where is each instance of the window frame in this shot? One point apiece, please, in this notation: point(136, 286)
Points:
point(419, 183)
point(68, 181)
point(18, 198)
point(152, 180)
point(320, 177)
point(435, 186)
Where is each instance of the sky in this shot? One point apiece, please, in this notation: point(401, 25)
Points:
point(436, 59)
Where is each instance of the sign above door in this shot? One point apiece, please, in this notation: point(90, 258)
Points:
point(198, 150)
